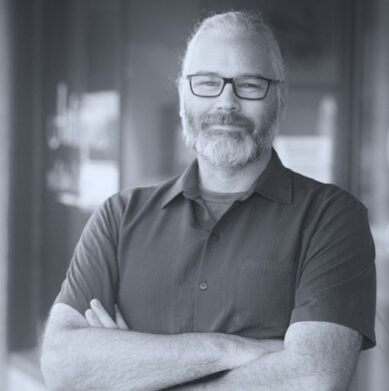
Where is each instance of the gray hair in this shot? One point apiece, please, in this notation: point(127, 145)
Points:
point(251, 22)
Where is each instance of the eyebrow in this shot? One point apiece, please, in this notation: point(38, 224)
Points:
point(205, 73)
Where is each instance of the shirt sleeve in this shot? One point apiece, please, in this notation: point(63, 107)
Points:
point(338, 279)
point(93, 271)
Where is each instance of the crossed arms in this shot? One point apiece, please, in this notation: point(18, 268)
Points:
point(99, 353)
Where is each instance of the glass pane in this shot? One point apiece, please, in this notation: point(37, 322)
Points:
point(373, 168)
point(82, 111)
point(111, 115)
point(311, 37)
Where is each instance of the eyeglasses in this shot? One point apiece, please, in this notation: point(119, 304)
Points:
point(247, 87)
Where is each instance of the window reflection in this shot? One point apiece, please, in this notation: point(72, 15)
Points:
point(83, 140)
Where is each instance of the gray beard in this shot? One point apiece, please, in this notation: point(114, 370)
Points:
point(225, 149)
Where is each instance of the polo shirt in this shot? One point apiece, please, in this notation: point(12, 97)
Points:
point(290, 249)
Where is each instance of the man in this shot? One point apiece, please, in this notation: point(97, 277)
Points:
point(239, 274)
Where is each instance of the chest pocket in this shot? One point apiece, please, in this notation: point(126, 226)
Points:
point(265, 294)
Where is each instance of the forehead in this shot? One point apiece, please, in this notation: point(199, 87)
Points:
point(229, 54)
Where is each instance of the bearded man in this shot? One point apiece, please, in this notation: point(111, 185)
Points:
point(240, 274)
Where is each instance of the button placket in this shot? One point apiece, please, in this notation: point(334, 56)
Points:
point(204, 291)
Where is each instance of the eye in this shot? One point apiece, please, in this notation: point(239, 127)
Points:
point(208, 83)
point(248, 85)
point(251, 84)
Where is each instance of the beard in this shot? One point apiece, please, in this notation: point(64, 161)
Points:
point(229, 148)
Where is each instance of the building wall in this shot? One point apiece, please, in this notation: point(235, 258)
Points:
point(373, 170)
point(334, 63)
point(5, 126)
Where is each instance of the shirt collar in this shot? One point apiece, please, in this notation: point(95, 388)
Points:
point(275, 183)
point(186, 184)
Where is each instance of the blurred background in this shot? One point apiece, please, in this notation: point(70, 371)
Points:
point(88, 106)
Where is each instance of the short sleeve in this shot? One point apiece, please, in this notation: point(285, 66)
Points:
point(337, 282)
point(92, 272)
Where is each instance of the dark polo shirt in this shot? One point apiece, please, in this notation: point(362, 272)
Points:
point(291, 249)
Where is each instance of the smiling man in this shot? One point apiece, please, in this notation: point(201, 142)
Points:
point(240, 274)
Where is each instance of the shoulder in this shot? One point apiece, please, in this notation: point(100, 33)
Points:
point(326, 199)
point(131, 199)
point(136, 196)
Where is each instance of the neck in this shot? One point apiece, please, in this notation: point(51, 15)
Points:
point(231, 179)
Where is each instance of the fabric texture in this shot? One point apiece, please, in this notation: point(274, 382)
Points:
point(290, 249)
point(218, 203)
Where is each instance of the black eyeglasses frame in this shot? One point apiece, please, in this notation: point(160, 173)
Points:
point(231, 80)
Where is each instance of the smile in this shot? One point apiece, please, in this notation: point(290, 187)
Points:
point(228, 128)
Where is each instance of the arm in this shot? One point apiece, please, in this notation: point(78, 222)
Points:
point(78, 357)
point(317, 356)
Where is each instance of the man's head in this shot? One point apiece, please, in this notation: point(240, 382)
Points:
point(224, 129)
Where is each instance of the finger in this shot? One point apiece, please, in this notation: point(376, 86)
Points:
point(92, 319)
point(103, 316)
point(119, 319)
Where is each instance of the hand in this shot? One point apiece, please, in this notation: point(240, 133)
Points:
point(97, 316)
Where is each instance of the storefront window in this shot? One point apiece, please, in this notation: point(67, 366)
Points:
point(83, 140)
point(373, 168)
point(110, 116)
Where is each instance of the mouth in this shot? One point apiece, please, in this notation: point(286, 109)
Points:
point(226, 123)
point(228, 128)
point(235, 131)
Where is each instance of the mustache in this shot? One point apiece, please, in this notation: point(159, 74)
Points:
point(232, 119)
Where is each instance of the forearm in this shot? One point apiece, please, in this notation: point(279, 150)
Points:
point(96, 358)
point(278, 371)
point(274, 371)
point(218, 380)
point(318, 356)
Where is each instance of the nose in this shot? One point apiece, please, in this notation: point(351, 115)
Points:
point(227, 100)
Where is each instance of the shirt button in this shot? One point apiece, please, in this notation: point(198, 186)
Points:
point(203, 286)
point(215, 237)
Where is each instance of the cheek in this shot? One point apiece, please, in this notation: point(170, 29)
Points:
point(197, 107)
point(254, 112)
point(262, 112)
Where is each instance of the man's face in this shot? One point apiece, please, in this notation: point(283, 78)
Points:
point(228, 131)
